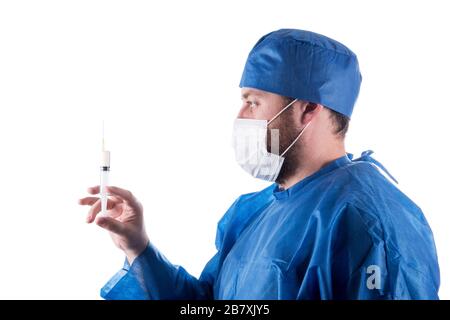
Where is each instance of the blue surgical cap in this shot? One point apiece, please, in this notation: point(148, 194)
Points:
point(304, 65)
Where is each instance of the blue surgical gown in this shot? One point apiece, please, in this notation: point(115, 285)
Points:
point(345, 232)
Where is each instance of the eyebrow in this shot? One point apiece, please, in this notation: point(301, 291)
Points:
point(250, 93)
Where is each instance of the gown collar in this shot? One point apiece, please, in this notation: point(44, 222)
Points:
point(339, 162)
point(280, 193)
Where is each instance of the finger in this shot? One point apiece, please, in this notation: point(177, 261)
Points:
point(116, 199)
point(87, 201)
point(111, 225)
point(94, 190)
point(123, 194)
point(91, 200)
point(96, 207)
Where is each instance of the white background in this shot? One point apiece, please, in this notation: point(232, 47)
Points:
point(164, 76)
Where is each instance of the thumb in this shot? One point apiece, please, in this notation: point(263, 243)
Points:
point(111, 225)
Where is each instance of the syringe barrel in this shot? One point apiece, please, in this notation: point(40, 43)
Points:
point(104, 180)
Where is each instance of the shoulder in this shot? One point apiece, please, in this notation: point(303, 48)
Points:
point(363, 186)
point(377, 210)
point(357, 196)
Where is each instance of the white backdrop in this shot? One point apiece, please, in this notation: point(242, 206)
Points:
point(164, 76)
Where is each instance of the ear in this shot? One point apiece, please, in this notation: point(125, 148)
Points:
point(310, 111)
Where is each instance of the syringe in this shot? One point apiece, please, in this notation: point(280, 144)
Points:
point(104, 174)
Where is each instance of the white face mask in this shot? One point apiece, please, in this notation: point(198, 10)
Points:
point(250, 147)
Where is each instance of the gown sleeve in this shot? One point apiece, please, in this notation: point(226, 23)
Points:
point(152, 276)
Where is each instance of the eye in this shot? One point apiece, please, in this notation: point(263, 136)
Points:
point(253, 104)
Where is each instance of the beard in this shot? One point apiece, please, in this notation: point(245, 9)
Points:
point(288, 132)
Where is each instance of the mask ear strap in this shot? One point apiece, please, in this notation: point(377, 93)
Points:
point(295, 140)
point(282, 110)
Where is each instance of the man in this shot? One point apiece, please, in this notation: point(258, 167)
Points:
point(329, 227)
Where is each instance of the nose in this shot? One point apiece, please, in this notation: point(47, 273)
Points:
point(243, 112)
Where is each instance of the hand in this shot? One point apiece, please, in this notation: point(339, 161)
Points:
point(124, 219)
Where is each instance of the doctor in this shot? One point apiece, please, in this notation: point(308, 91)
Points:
point(329, 227)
